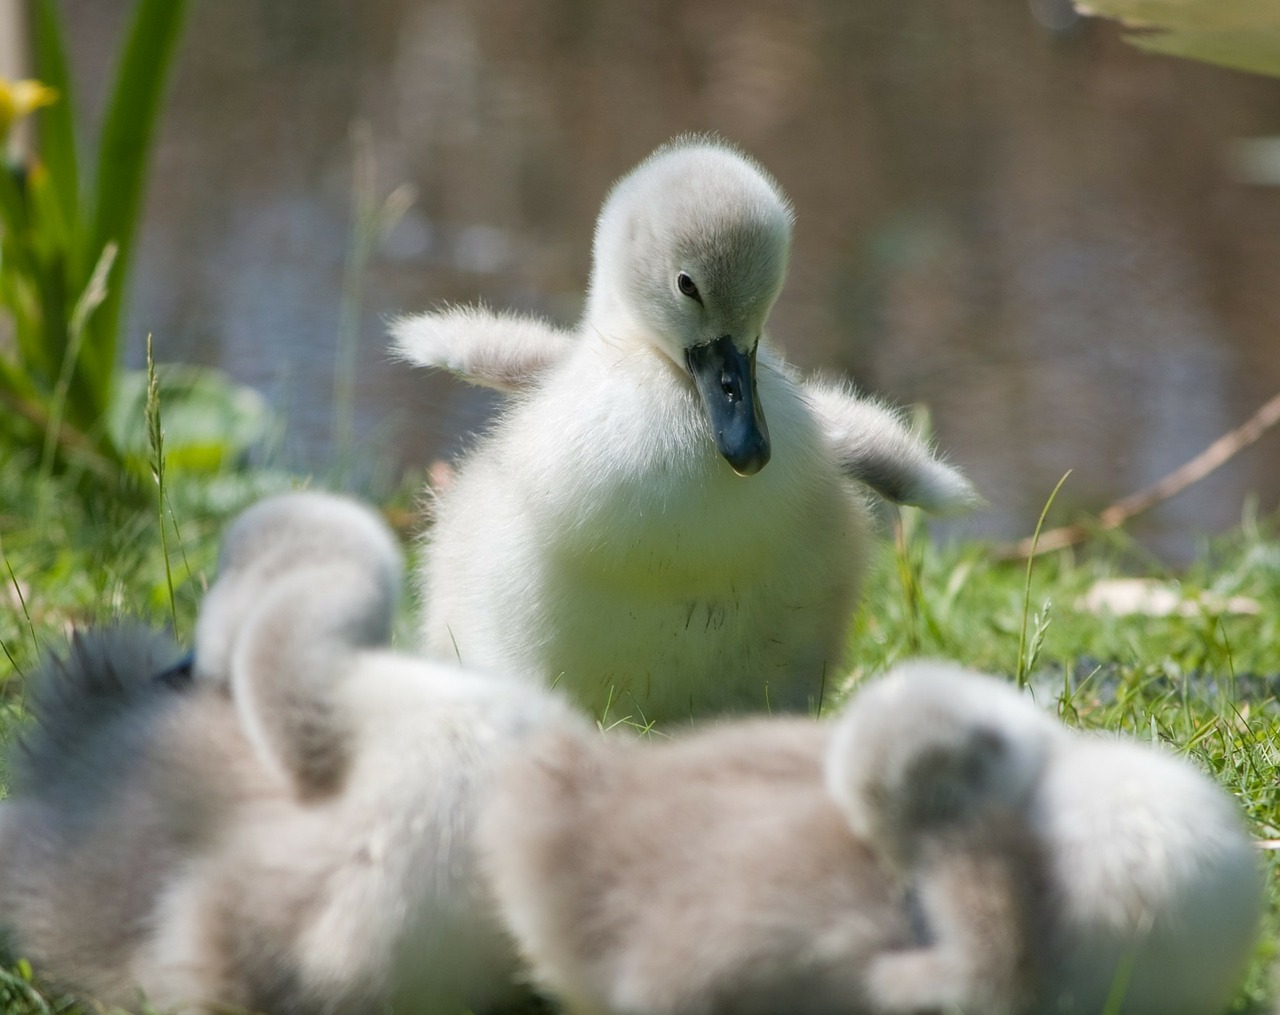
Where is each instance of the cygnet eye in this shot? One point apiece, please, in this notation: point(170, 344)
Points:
point(686, 285)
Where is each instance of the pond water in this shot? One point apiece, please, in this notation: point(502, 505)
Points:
point(1003, 212)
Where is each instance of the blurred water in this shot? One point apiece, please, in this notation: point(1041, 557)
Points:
point(1003, 211)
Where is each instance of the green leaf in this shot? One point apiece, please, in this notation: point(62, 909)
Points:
point(1241, 34)
point(209, 421)
point(56, 122)
point(34, 288)
point(122, 165)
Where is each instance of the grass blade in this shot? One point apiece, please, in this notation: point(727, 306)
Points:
point(92, 298)
point(22, 603)
point(155, 436)
point(1026, 595)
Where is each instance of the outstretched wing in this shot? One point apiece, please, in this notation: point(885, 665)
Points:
point(496, 350)
point(876, 446)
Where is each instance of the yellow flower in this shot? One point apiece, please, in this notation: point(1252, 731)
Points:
point(21, 98)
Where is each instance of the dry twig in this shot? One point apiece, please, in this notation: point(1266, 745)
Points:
point(1215, 455)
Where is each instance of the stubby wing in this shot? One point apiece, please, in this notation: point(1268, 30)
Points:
point(495, 350)
point(875, 445)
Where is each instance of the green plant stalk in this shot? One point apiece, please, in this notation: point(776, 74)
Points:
point(56, 125)
point(22, 602)
point(1042, 621)
point(94, 293)
point(908, 574)
point(70, 440)
point(182, 547)
point(55, 236)
point(28, 290)
point(155, 437)
point(121, 173)
point(1026, 594)
point(13, 664)
point(1119, 985)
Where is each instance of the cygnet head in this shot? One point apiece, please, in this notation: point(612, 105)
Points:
point(931, 745)
point(690, 253)
point(280, 536)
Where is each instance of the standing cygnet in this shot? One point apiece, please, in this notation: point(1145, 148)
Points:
point(717, 874)
point(289, 831)
point(662, 522)
point(1145, 884)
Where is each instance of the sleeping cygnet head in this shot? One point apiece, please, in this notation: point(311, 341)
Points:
point(306, 581)
point(934, 766)
point(932, 744)
point(283, 536)
point(1140, 885)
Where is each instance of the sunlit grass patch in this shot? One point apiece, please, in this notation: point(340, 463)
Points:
point(1202, 680)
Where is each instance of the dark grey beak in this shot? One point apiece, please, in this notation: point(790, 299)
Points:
point(726, 380)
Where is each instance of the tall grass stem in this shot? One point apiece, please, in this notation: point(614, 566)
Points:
point(1026, 594)
point(95, 292)
point(155, 438)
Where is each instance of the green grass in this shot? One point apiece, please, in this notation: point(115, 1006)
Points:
point(1205, 684)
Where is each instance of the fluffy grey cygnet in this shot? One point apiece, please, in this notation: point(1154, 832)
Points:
point(716, 873)
point(666, 521)
point(1138, 889)
point(288, 830)
point(943, 846)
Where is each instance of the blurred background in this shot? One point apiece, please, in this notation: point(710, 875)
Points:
point(1004, 212)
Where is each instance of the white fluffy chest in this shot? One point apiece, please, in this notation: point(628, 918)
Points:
point(598, 537)
point(614, 464)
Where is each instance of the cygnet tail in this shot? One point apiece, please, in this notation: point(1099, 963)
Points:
point(876, 446)
point(509, 352)
point(105, 673)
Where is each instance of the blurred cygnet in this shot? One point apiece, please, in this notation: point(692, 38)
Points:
point(290, 831)
point(944, 846)
point(1159, 889)
point(1141, 890)
point(716, 874)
